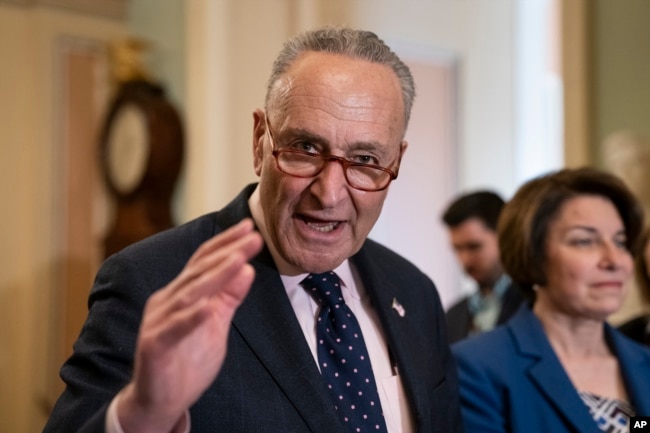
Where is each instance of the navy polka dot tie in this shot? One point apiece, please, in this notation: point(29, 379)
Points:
point(343, 357)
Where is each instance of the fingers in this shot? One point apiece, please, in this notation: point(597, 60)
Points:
point(219, 273)
point(173, 325)
point(223, 239)
point(218, 268)
point(229, 250)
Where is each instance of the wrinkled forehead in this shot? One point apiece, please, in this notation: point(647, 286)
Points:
point(341, 86)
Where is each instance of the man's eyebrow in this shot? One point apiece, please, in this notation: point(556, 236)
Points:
point(368, 145)
point(292, 134)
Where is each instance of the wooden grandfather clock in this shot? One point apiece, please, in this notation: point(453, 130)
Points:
point(141, 150)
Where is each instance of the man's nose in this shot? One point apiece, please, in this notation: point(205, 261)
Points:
point(330, 184)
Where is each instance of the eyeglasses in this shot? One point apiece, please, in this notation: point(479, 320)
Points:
point(298, 163)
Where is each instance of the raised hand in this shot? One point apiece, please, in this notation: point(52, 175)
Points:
point(183, 336)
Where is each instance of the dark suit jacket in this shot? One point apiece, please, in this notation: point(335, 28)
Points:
point(459, 317)
point(269, 381)
point(638, 329)
point(512, 381)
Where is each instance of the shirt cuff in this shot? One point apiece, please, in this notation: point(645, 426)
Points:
point(112, 424)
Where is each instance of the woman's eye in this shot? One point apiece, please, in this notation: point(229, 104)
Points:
point(583, 242)
point(621, 243)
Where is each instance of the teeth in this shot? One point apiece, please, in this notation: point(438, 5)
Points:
point(322, 228)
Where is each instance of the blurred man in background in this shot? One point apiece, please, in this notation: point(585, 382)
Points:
point(471, 220)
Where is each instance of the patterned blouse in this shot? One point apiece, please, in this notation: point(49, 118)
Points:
point(611, 415)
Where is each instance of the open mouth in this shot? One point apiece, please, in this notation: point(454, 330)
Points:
point(320, 225)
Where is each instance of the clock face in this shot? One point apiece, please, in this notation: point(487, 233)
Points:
point(128, 148)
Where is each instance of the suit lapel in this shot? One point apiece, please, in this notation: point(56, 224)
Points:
point(634, 362)
point(556, 387)
point(547, 373)
point(269, 325)
point(409, 349)
point(510, 302)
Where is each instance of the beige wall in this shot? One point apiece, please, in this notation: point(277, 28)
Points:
point(32, 40)
point(620, 67)
point(24, 251)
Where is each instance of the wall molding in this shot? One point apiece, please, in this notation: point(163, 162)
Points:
point(114, 9)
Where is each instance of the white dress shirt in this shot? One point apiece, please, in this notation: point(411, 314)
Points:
point(391, 393)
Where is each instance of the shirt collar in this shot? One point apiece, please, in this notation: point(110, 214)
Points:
point(344, 272)
point(500, 287)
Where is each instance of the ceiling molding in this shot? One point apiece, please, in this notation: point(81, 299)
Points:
point(115, 9)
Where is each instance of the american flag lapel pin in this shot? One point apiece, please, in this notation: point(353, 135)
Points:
point(398, 307)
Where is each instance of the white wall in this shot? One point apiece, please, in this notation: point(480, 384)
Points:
point(480, 34)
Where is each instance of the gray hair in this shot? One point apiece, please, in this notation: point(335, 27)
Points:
point(357, 44)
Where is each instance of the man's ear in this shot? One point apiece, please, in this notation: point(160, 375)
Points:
point(259, 132)
point(402, 149)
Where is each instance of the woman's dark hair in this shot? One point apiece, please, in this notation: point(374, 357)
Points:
point(641, 268)
point(525, 219)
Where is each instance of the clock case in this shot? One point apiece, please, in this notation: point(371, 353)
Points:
point(146, 208)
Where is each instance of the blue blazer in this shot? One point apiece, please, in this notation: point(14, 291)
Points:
point(512, 381)
point(269, 382)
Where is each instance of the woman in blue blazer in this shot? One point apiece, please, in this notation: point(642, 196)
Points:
point(568, 239)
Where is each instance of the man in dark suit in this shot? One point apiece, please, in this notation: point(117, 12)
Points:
point(208, 327)
point(472, 222)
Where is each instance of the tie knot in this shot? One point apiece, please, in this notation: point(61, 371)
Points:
point(325, 288)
